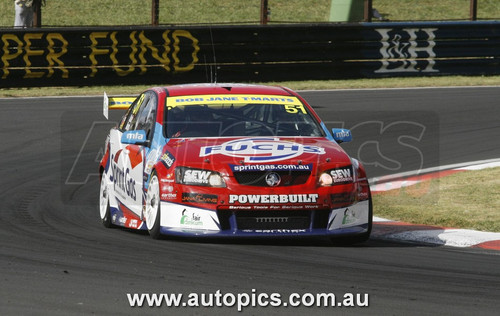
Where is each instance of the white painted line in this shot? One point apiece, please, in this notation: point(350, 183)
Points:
point(444, 236)
point(387, 186)
point(447, 237)
point(433, 169)
point(400, 88)
point(380, 219)
point(481, 166)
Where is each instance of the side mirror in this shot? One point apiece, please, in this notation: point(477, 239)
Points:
point(341, 135)
point(135, 138)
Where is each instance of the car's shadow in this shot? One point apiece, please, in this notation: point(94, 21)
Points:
point(372, 242)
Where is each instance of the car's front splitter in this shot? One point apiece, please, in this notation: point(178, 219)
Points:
point(351, 231)
point(183, 220)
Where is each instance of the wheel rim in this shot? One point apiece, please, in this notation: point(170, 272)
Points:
point(152, 202)
point(103, 198)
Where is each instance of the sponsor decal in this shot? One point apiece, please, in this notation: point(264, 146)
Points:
point(199, 198)
point(343, 133)
point(135, 136)
point(123, 181)
point(117, 101)
point(243, 168)
point(194, 176)
point(128, 222)
point(272, 198)
point(187, 217)
point(168, 196)
point(268, 207)
point(275, 231)
point(261, 149)
point(190, 219)
point(167, 159)
point(233, 99)
point(342, 175)
point(354, 215)
point(349, 217)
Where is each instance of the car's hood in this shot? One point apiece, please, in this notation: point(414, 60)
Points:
point(221, 153)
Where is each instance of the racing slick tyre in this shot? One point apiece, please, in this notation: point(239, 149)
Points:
point(152, 209)
point(350, 240)
point(104, 209)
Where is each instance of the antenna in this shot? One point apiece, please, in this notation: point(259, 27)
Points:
point(207, 68)
point(215, 60)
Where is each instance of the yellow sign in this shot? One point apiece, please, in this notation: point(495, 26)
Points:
point(120, 103)
point(232, 99)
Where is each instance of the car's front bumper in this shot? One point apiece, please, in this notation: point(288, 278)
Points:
point(183, 220)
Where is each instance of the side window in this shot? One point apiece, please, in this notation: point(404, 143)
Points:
point(146, 118)
point(132, 119)
point(128, 122)
point(124, 120)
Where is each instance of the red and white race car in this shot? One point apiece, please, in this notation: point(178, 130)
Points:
point(230, 160)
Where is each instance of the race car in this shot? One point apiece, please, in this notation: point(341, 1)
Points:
point(230, 160)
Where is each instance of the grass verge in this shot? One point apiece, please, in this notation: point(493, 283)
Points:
point(295, 85)
point(469, 200)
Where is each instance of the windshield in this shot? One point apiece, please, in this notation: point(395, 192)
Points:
point(214, 116)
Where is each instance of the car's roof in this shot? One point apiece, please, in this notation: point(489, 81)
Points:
point(224, 88)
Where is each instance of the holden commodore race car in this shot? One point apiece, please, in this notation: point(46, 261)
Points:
point(228, 160)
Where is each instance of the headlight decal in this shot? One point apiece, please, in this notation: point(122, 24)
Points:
point(201, 177)
point(342, 175)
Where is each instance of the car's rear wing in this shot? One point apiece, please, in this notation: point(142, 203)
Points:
point(115, 103)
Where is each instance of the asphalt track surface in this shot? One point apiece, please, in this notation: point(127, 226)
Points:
point(56, 258)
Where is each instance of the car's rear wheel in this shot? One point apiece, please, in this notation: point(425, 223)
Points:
point(104, 209)
point(152, 209)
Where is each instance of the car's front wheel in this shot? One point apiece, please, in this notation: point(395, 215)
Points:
point(152, 209)
point(104, 209)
